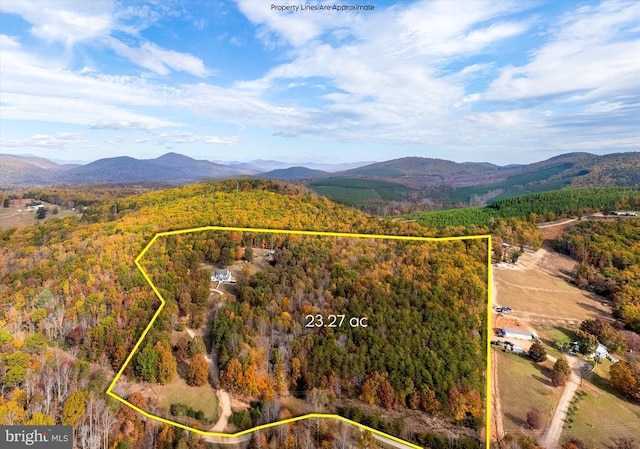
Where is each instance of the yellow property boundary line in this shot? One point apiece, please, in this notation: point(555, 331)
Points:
point(312, 415)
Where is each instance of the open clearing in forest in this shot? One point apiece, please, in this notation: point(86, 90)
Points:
point(602, 414)
point(198, 398)
point(537, 288)
point(18, 216)
point(524, 387)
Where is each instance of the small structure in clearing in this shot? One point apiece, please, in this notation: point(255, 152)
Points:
point(223, 277)
point(516, 332)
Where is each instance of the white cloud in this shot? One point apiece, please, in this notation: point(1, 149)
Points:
point(181, 137)
point(159, 60)
point(392, 82)
point(589, 52)
point(414, 73)
point(386, 83)
point(7, 42)
point(237, 106)
point(296, 29)
point(35, 89)
point(57, 141)
point(93, 22)
point(64, 21)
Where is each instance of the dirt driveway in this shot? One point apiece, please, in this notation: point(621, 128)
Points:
point(551, 438)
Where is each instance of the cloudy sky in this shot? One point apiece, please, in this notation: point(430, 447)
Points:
point(504, 82)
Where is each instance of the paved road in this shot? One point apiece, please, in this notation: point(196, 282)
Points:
point(552, 436)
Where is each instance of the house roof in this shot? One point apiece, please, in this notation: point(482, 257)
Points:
point(516, 331)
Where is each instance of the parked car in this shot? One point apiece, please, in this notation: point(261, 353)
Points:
point(496, 343)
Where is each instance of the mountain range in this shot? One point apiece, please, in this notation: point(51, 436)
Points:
point(398, 179)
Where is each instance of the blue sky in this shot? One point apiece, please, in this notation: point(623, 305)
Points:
point(504, 81)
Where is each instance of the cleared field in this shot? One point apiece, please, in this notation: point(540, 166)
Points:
point(538, 290)
point(602, 414)
point(17, 215)
point(550, 334)
point(524, 387)
point(198, 398)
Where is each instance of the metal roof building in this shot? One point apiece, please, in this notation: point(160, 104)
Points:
point(517, 332)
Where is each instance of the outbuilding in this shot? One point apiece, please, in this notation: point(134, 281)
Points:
point(516, 332)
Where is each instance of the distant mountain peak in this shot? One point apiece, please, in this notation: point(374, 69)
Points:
point(173, 156)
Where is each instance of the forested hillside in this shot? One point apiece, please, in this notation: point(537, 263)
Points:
point(73, 303)
point(609, 263)
point(424, 305)
point(536, 207)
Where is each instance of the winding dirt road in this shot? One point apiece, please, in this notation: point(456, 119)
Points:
point(551, 438)
point(551, 225)
point(225, 404)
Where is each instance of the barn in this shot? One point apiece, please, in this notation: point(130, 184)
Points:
point(516, 332)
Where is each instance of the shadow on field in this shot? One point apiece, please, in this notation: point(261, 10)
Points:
point(516, 420)
point(563, 275)
point(590, 308)
point(548, 342)
point(542, 380)
point(603, 384)
point(568, 333)
point(545, 374)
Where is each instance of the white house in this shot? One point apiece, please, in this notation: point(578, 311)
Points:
point(222, 276)
point(601, 351)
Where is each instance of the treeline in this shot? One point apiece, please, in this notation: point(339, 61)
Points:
point(608, 255)
point(536, 208)
point(84, 194)
point(548, 206)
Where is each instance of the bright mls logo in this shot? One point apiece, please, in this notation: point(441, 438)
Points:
point(49, 437)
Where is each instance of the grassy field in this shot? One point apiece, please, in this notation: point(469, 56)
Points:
point(539, 289)
point(198, 398)
point(17, 215)
point(523, 386)
point(602, 414)
point(549, 334)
